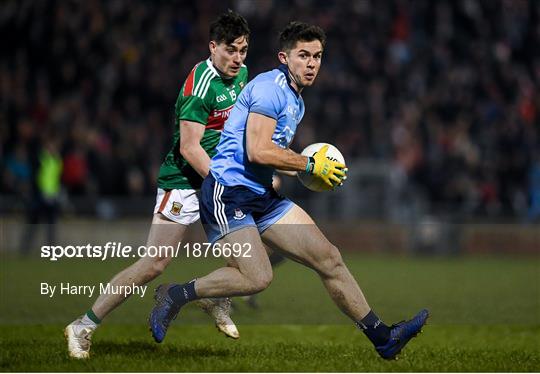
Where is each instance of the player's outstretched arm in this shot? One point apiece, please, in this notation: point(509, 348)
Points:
point(191, 134)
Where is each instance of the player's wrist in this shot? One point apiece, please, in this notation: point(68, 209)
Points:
point(310, 166)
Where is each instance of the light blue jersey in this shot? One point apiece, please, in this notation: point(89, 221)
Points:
point(269, 94)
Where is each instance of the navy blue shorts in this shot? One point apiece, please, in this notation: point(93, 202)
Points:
point(226, 209)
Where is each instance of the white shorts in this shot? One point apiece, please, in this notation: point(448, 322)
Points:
point(180, 206)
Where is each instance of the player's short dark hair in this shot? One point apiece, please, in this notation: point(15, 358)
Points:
point(300, 32)
point(228, 27)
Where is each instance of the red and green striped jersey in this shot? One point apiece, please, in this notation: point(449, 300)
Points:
point(206, 98)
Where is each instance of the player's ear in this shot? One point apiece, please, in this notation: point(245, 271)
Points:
point(282, 56)
point(212, 46)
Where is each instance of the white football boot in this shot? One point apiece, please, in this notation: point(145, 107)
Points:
point(220, 311)
point(79, 339)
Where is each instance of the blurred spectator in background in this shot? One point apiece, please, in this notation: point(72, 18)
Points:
point(43, 200)
point(447, 91)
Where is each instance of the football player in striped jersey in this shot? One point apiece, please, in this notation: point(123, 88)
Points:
point(203, 104)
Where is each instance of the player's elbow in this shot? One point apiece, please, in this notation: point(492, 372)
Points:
point(254, 156)
point(185, 149)
point(258, 156)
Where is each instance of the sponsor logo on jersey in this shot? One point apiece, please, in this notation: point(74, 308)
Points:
point(221, 98)
point(284, 137)
point(223, 113)
point(238, 214)
point(217, 118)
point(293, 112)
point(176, 208)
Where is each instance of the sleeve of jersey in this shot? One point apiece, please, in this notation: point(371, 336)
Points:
point(266, 99)
point(194, 109)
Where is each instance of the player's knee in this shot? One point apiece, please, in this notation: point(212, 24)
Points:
point(331, 262)
point(261, 281)
point(156, 268)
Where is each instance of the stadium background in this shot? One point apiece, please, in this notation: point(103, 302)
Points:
point(434, 104)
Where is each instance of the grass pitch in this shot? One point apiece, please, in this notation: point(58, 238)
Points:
point(485, 316)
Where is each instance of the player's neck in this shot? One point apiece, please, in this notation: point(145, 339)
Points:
point(290, 79)
point(294, 85)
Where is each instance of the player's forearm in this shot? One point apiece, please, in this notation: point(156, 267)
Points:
point(197, 157)
point(279, 158)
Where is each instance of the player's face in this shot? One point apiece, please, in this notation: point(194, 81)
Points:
point(228, 58)
point(304, 62)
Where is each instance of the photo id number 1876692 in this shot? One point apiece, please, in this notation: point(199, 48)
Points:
point(205, 250)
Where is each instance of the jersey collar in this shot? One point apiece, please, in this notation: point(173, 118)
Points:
point(217, 71)
point(285, 70)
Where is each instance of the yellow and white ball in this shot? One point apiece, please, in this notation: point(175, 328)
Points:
point(312, 182)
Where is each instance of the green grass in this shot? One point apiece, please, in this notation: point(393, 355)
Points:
point(273, 348)
point(485, 317)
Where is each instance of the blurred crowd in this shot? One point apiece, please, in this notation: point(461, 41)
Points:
point(446, 91)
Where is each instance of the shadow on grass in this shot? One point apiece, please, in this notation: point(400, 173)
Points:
point(138, 348)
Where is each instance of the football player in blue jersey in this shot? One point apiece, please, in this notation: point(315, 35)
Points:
point(240, 209)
